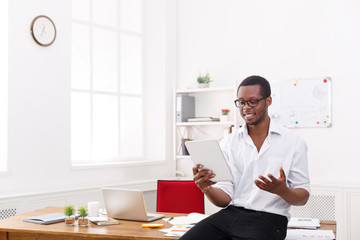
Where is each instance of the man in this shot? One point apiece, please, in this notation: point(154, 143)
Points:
point(269, 165)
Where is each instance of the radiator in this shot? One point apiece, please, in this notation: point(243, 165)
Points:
point(150, 198)
point(6, 213)
point(318, 206)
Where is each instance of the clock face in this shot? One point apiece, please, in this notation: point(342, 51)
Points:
point(43, 30)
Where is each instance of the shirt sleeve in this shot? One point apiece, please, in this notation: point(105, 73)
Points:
point(298, 176)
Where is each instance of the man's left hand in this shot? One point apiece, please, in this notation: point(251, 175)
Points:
point(274, 185)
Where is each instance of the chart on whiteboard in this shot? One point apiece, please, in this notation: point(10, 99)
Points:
point(302, 102)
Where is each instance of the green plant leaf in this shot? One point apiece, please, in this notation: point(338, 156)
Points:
point(204, 78)
point(69, 210)
point(83, 212)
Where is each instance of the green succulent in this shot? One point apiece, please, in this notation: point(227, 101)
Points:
point(69, 210)
point(204, 78)
point(83, 211)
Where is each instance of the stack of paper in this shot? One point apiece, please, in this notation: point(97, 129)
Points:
point(182, 224)
point(176, 230)
point(306, 223)
point(192, 218)
point(302, 234)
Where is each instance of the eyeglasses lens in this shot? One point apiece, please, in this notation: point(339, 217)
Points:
point(251, 103)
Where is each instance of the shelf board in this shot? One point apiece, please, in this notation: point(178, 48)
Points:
point(205, 90)
point(205, 124)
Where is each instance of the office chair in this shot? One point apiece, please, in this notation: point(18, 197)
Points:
point(179, 197)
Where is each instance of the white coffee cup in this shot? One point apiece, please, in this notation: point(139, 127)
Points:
point(93, 209)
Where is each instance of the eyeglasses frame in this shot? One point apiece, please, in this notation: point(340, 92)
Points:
point(247, 102)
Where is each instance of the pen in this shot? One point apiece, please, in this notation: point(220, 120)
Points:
point(170, 219)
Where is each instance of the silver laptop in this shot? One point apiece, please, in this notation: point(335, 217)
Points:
point(127, 204)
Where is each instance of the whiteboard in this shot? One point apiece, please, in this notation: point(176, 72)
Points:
point(302, 102)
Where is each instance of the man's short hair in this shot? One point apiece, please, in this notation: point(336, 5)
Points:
point(257, 80)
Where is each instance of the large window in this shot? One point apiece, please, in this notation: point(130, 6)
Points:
point(107, 97)
point(3, 83)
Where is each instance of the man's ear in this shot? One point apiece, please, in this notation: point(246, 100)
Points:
point(268, 101)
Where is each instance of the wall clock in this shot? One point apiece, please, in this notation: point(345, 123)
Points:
point(43, 30)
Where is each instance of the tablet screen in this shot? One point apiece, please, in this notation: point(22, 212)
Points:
point(209, 154)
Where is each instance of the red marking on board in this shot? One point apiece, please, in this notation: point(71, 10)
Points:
point(325, 80)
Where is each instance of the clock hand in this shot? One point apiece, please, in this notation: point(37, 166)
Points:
point(42, 31)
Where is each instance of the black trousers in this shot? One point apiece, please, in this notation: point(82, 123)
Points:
point(239, 223)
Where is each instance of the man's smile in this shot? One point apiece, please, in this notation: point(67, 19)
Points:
point(249, 115)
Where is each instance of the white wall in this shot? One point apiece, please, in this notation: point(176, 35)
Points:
point(39, 104)
point(283, 40)
point(230, 39)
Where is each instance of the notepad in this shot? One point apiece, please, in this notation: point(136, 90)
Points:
point(46, 219)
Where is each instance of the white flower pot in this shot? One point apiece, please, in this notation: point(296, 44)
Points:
point(203, 85)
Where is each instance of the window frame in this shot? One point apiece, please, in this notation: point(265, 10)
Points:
point(4, 46)
point(120, 160)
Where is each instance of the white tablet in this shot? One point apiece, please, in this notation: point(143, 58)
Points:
point(209, 154)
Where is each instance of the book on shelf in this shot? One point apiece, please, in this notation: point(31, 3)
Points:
point(204, 119)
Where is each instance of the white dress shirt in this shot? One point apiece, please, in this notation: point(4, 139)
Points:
point(281, 148)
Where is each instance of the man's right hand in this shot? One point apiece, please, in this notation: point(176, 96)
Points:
point(202, 177)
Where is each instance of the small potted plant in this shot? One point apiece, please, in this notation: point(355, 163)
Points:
point(69, 212)
point(83, 220)
point(203, 80)
point(224, 115)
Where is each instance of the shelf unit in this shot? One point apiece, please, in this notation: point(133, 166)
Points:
point(208, 103)
point(205, 90)
point(205, 123)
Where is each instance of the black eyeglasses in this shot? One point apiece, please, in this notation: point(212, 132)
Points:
point(251, 102)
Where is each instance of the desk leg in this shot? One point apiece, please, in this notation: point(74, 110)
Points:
point(3, 236)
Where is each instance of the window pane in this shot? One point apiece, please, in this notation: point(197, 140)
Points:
point(105, 127)
point(131, 64)
point(104, 60)
point(105, 12)
point(80, 127)
point(81, 9)
point(131, 127)
point(80, 57)
point(130, 15)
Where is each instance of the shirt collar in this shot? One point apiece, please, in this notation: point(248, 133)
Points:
point(273, 128)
